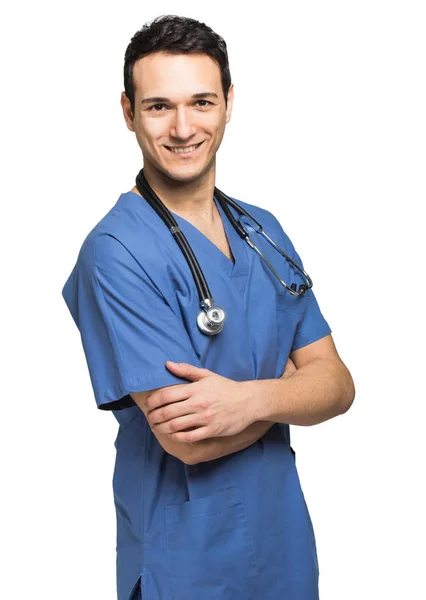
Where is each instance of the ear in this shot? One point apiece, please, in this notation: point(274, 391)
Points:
point(230, 102)
point(127, 111)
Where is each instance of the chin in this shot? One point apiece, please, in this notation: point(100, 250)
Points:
point(189, 176)
point(184, 174)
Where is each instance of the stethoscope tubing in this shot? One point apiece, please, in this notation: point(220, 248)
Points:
point(214, 315)
point(163, 212)
point(243, 233)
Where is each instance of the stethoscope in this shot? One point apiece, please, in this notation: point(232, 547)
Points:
point(211, 318)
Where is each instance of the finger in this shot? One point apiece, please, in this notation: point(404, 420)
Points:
point(179, 424)
point(175, 393)
point(187, 370)
point(196, 435)
point(168, 412)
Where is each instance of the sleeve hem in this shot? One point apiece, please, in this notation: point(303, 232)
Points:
point(313, 338)
point(118, 397)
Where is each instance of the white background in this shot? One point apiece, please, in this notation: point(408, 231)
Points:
point(328, 132)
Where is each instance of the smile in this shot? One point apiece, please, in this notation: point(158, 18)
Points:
point(185, 150)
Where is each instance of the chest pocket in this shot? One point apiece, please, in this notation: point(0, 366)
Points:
point(290, 311)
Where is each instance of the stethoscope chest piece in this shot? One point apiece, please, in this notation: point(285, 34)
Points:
point(210, 320)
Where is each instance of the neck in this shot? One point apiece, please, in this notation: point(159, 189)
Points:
point(192, 200)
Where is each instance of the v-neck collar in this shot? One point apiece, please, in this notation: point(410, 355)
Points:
point(236, 244)
point(201, 243)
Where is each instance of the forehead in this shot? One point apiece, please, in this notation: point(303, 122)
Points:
point(170, 75)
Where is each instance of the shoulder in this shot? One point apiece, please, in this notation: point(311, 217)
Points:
point(113, 240)
point(102, 250)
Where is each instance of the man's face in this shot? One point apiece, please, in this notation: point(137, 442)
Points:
point(179, 119)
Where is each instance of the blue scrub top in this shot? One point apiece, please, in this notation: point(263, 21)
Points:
point(234, 528)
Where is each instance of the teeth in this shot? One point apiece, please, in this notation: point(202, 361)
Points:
point(182, 150)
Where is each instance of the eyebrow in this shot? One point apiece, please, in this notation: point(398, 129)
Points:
point(195, 96)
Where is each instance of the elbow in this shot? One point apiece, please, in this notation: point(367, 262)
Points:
point(195, 455)
point(187, 458)
point(190, 460)
point(188, 455)
point(348, 392)
point(183, 451)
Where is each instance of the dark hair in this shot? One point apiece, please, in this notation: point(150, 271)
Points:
point(175, 35)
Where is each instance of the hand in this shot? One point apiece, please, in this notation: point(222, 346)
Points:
point(211, 405)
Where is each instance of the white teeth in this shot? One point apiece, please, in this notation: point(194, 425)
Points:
point(182, 150)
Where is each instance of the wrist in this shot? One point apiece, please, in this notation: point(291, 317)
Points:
point(261, 396)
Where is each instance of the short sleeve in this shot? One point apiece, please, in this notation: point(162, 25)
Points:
point(313, 325)
point(127, 328)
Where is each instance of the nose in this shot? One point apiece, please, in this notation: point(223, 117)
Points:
point(182, 127)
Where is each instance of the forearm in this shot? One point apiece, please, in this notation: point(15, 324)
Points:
point(217, 447)
point(316, 392)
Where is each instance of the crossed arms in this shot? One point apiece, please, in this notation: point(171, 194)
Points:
point(314, 387)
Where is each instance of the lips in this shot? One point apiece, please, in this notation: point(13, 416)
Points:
point(185, 153)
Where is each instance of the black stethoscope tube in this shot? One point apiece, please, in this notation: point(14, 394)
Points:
point(224, 199)
point(151, 197)
point(211, 318)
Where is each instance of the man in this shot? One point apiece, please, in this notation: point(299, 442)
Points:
point(208, 500)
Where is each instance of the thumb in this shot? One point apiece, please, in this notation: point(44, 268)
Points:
point(187, 371)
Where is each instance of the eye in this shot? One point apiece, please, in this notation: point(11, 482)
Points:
point(154, 105)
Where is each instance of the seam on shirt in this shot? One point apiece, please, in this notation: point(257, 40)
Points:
point(146, 274)
point(151, 377)
point(111, 327)
point(143, 514)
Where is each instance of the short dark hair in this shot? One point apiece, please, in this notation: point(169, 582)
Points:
point(175, 35)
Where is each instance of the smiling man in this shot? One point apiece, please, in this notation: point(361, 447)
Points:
point(208, 499)
point(180, 134)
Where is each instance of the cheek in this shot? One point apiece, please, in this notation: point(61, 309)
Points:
point(220, 128)
point(151, 130)
point(217, 139)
